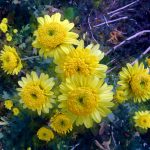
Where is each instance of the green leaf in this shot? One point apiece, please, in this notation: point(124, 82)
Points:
point(6, 95)
point(96, 3)
point(69, 13)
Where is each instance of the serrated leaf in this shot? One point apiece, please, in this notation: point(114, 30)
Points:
point(5, 95)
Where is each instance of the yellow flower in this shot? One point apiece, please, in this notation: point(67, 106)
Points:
point(29, 148)
point(135, 80)
point(148, 61)
point(5, 20)
point(83, 61)
point(53, 36)
point(11, 63)
point(15, 31)
point(15, 111)
point(8, 104)
point(3, 27)
point(45, 134)
point(142, 119)
point(9, 38)
point(7, 34)
point(61, 123)
point(35, 92)
point(120, 95)
point(85, 99)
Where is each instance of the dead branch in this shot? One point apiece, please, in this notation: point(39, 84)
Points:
point(144, 53)
point(128, 39)
point(115, 14)
point(110, 62)
point(110, 70)
point(91, 27)
point(111, 21)
point(99, 145)
point(123, 7)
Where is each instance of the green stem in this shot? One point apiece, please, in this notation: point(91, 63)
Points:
point(32, 57)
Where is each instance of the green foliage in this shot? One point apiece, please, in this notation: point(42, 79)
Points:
point(97, 3)
point(70, 13)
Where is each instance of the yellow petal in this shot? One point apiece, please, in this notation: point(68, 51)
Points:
point(40, 20)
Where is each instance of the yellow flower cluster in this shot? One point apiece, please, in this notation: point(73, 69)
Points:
point(11, 63)
point(9, 105)
point(3, 25)
point(83, 96)
point(135, 82)
point(4, 28)
point(8, 37)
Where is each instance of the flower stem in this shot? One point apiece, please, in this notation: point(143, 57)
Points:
point(32, 57)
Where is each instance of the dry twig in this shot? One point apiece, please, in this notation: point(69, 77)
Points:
point(111, 21)
point(110, 62)
point(110, 70)
point(101, 147)
point(123, 7)
point(144, 53)
point(91, 27)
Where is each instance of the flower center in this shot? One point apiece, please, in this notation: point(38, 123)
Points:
point(80, 61)
point(51, 35)
point(82, 101)
point(144, 120)
point(44, 134)
point(33, 96)
point(62, 122)
point(51, 32)
point(10, 61)
point(140, 84)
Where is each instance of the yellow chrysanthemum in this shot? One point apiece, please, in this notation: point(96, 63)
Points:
point(11, 63)
point(148, 61)
point(15, 31)
point(61, 123)
point(3, 27)
point(45, 134)
point(5, 20)
point(142, 119)
point(120, 95)
point(85, 99)
point(53, 36)
point(15, 111)
point(82, 61)
point(9, 38)
point(35, 92)
point(136, 82)
point(8, 104)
